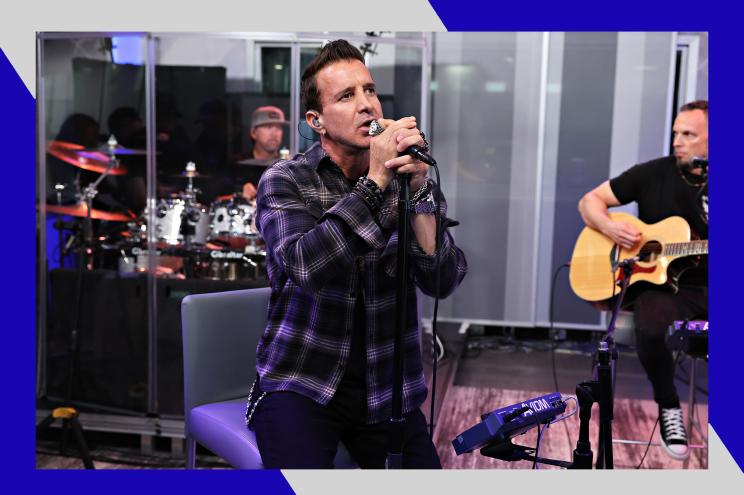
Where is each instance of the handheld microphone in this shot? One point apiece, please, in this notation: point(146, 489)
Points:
point(697, 162)
point(416, 151)
point(420, 153)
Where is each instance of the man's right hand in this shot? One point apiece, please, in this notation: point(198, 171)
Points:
point(593, 208)
point(622, 233)
point(384, 147)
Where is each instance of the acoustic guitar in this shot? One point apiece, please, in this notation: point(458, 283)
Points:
point(595, 272)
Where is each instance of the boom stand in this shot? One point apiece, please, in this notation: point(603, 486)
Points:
point(67, 413)
point(587, 393)
point(601, 389)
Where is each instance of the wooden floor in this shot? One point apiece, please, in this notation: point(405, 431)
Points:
point(45, 461)
point(469, 385)
point(634, 420)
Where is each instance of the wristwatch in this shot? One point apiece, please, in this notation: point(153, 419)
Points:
point(425, 205)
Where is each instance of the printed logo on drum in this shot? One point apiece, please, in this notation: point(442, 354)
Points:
point(137, 251)
point(226, 255)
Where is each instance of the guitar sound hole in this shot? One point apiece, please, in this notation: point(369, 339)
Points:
point(650, 251)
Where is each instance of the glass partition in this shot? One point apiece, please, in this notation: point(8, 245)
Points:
point(91, 185)
point(174, 131)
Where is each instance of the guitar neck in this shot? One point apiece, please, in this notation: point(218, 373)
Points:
point(691, 248)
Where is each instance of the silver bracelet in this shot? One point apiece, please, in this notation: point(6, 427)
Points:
point(422, 191)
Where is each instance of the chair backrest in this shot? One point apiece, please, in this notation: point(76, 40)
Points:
point(220, 334)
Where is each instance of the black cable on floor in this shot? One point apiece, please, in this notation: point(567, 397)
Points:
point(555, 343)
point(658, 418)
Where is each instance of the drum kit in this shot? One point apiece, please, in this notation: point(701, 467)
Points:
point(191, 240)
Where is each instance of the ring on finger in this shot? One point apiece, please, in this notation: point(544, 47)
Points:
point(375, 128)
point(426, 143)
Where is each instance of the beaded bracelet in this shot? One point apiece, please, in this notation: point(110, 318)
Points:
point(368, 200)
point(370, 193)
point(372, 187)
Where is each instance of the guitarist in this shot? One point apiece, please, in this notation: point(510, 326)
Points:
point(672, 185)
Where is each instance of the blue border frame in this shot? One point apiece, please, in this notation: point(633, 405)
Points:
point(18, 364)
point(19, 250)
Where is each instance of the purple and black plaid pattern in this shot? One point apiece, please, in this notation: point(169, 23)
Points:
point(323, 242)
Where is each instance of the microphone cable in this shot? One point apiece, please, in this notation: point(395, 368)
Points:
point(563, 417)
point(658, 418)
point(438, 269)
point(551, 330)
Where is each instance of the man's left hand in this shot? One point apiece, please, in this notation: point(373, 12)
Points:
point(249, 191)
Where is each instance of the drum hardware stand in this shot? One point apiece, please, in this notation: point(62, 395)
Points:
point(68, 414)
point(189, 216)
point(61, 226)
point(89, 192)
point(245, 259)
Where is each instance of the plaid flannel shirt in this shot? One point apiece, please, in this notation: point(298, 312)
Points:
point(322, 243)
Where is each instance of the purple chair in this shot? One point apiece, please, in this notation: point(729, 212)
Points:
point(220, 334)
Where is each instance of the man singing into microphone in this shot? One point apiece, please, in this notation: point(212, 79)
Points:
point(329, 219)
point(664, 187)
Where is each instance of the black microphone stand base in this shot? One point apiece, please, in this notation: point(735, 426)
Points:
point(69, 417)
point(508, 451)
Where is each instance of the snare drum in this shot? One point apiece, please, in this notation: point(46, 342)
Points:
point(173, 221)
point(233, 221)
point(226, 265)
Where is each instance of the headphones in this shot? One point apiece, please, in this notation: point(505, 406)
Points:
point(316, 122)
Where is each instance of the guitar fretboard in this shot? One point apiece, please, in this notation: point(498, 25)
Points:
point(691, 248)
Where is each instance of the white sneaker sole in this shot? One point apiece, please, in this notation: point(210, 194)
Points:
point(672, 453)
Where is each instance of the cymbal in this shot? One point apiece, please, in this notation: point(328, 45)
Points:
point(118, 150)
point(255, 162)
point(76, 155)
point(192, 175)
point(81, 210)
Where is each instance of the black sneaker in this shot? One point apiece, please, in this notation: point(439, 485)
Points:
point(673, 433)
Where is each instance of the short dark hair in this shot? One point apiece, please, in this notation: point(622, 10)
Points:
point(120, 118)
point(332, 52)
point(695, 105)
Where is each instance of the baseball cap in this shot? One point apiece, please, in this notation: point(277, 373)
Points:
point(267, 115)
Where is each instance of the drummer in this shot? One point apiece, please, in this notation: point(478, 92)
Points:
point(267, 132)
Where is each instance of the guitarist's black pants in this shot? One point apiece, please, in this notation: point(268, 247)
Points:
point(656, 309)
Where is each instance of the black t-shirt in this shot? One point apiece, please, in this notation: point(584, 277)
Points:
point(662, 190)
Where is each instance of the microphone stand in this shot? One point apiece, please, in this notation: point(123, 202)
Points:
point(67, 413)
point(394, 458)
point(601, 389)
